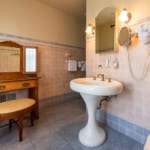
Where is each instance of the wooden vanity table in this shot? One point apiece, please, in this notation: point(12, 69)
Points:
point(18, 70)
point(19, 84)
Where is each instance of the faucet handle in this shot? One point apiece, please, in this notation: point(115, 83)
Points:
point(101, 76)
point(94, 77)
point(109, 79)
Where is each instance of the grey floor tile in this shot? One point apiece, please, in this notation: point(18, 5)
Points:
point(53, 142)
point(138, 146)
point(57, 129)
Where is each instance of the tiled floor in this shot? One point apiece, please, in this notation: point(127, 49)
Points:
point(57, 129)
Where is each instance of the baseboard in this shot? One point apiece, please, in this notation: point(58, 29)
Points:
point(54, 100)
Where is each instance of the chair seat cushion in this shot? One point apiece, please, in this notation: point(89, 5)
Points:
point(16, 105)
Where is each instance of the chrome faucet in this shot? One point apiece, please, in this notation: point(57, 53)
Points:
point(100, 75)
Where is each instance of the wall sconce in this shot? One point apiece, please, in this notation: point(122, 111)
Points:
point(124, 15)
point(89, 29)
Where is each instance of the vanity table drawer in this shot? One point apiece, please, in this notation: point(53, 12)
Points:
point(4, 87)
point(29, 84)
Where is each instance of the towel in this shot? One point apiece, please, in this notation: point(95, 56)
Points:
point(72, 65)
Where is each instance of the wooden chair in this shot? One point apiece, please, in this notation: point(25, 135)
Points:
point(10, 110)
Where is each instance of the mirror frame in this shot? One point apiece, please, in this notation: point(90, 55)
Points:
point(116, 45)
point(13, 44)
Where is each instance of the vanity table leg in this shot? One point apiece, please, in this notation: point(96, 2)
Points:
point(10, 123)
point(33, 93)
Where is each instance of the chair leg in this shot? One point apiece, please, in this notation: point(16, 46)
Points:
point(10, 123)
point(32, 118)
point(20, 124)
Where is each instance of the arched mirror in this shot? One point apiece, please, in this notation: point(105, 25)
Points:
point(105, 30)
point(124, 38)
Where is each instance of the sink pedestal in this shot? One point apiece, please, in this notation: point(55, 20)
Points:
point(91, 135)
point(92, 91)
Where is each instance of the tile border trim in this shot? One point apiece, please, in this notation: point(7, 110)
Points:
point(58, 99)
point(39, 41)
point(127, 128)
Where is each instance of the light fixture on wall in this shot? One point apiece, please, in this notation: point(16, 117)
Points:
point(124, 16)
point(89, 29)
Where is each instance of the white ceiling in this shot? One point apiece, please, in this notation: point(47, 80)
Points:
point(74, 7)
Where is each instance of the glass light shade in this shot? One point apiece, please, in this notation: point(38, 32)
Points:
point(123, 15)
point(89, 29)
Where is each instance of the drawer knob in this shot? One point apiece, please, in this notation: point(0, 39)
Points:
point(26, 84)
point(2, 87)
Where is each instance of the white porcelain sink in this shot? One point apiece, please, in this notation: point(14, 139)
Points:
point(92, 92)
point(96, 87)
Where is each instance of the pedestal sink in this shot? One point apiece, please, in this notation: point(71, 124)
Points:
point(92, 92)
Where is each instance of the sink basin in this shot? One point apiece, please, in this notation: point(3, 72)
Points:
point(92, 91)
point(96, 87)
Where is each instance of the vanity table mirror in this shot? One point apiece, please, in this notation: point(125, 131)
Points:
point(10, 57)
point(105, 23)
point(30, 57)
point(17, 61)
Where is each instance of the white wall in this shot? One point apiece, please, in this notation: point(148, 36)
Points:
point(134, 103)
point(33, 19)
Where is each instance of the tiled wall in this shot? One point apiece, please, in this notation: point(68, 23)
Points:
point(133, 104)
point(52, 65)
point(53, 69)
